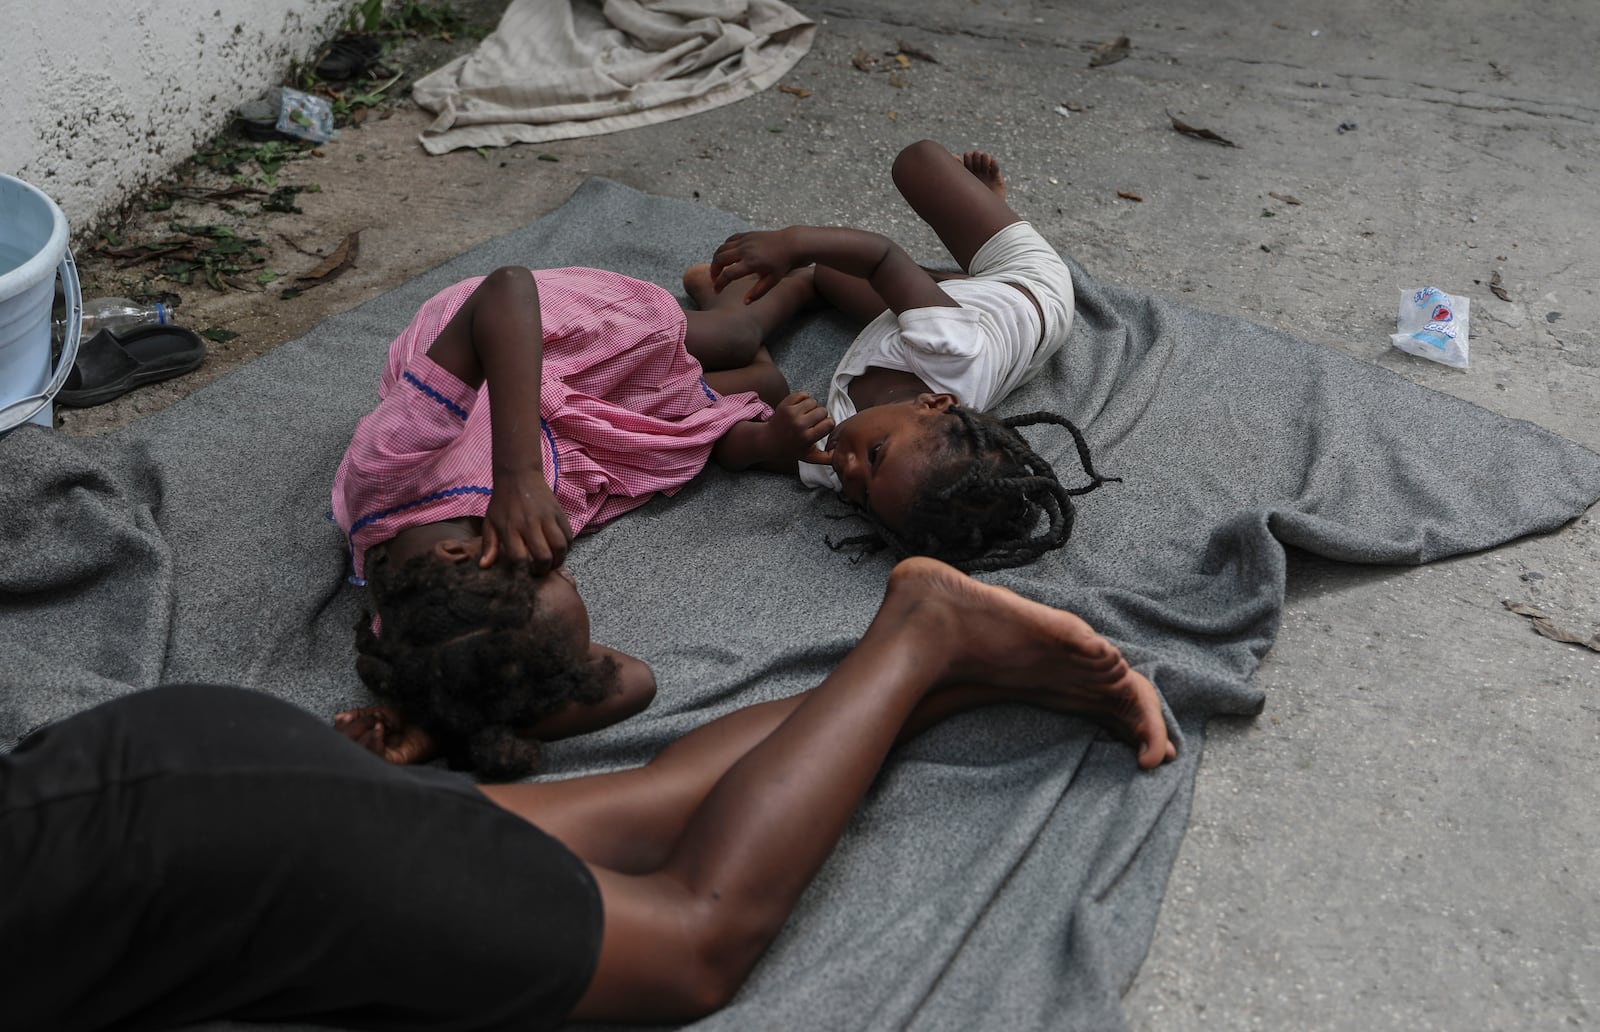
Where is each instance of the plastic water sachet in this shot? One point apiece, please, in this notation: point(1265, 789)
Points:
point(306, 116)
point(1433, 325)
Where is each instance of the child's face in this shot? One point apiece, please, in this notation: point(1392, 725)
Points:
point(883, 453)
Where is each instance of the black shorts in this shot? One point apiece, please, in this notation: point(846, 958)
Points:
point(196, 852)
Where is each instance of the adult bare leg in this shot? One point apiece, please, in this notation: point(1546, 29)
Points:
point(680, 939)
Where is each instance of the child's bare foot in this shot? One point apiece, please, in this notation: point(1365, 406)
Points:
point(1000, 641)
point(983, 165)
point(697, 284)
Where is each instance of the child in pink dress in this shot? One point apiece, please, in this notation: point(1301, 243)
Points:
point(516, 410)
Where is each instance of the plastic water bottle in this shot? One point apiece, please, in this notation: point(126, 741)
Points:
point(117, 314)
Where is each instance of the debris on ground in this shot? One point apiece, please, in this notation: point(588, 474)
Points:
point(352, 55)
point(1497, 288)
point(1550, 629)
point(1348, 127)
point(1129, 196)
point(1285, 198)
point(334, 266)
point(893, 60)
point(1109, 52)
point(1199, 134)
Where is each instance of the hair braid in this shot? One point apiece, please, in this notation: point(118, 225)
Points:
point(983, 517)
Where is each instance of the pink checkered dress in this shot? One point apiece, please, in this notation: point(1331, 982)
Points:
point(625, 413)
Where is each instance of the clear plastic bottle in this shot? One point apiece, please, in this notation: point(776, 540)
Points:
point(117, 314)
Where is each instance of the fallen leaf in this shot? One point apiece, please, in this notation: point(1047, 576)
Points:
point(902, 60)
point(1125, 195)
point(1547, 627)
point(1072, 106)
point(893, 117)
point(795, 91)
point(335, 264)
point(1109, 52)
point(899, 82)
point(916, 52)
point(864, 60)
point(1199, 134)
point(1285, 198)
point(217, 335)
point(297, 246)
point(1497, 288)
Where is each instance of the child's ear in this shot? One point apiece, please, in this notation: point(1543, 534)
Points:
point(456, 550)
point(938, 402)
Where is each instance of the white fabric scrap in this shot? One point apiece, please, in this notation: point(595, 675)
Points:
point(560, 69)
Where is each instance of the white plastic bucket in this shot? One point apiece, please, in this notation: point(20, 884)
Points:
point(33, 252)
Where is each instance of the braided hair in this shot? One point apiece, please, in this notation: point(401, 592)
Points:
point(984, 495)
point(465, 654)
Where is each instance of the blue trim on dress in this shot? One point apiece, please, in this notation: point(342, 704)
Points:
point(450, 492)
point(450, 406)
point(707, 388)
point(555, 456)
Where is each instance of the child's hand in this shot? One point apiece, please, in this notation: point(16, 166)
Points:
point(797, 424)
point(382, 730)
point(761, 253)
point(524, 521)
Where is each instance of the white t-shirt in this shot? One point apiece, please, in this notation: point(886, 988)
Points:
point(979, 352)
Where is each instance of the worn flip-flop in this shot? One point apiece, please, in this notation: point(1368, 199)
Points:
point(110, 365)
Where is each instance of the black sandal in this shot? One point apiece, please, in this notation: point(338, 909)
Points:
point(110, 365)
point(351, 56)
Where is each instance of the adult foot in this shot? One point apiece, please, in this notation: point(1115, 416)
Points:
point(983, 165)
point(999, 641)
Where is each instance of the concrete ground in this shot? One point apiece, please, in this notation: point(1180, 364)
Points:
point(1407, 836)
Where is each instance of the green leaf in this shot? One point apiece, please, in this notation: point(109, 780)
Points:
point(218, 335)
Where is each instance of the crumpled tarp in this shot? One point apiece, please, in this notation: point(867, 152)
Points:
point(555, 70)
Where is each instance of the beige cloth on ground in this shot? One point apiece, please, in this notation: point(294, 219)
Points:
point(559, 69)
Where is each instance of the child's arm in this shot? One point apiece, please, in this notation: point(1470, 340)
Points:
point(385, 731)
point(769, 254)
point(636, 687)
point(497, 338)
point(791, 434)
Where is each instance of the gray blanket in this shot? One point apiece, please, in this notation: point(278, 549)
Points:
point(1007, 869)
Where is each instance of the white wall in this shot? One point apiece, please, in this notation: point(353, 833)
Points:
point(104, 96)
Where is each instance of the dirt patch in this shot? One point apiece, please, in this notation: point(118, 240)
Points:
point(232, 236)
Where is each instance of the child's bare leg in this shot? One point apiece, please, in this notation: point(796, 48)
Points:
point(762, 375)
point(679, 940)
point(961, 199)
point(727, 333)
